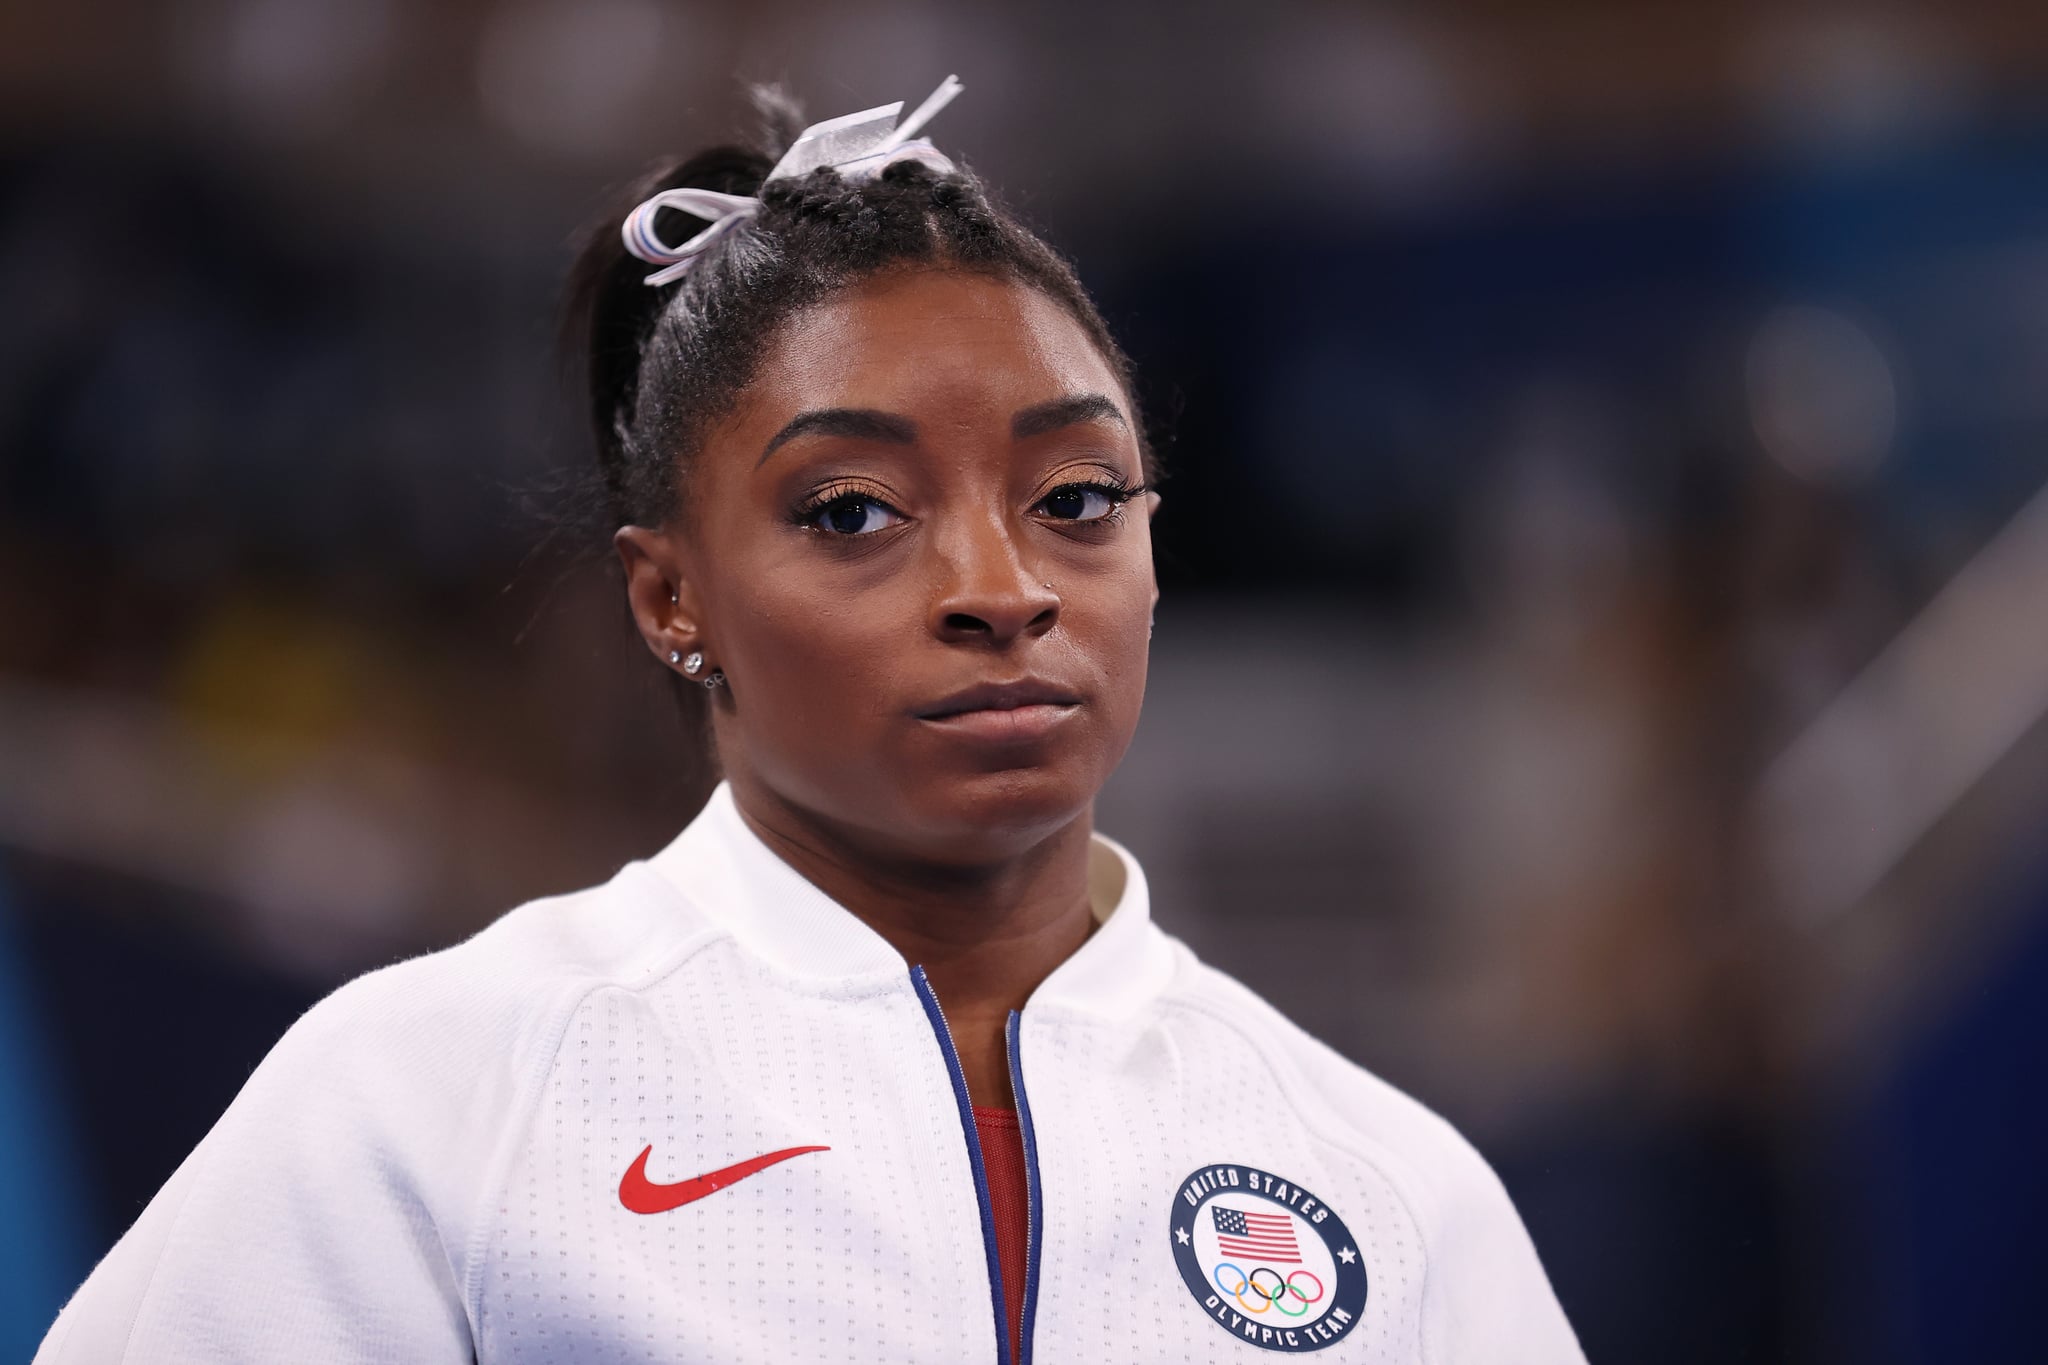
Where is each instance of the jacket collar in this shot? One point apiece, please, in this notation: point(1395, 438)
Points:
point(723, 868)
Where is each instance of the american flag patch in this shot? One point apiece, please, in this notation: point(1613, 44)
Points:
point(1260, 1236)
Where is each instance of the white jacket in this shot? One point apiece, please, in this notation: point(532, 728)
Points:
point(440, 1161)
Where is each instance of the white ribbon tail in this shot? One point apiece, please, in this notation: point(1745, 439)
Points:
point(724, 210)
point(920, 116)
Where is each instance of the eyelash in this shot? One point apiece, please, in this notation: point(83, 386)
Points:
point(809, 509)
point(807, 512)
point(1116, 490)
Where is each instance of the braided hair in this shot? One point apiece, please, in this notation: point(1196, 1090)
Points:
point(662, 365)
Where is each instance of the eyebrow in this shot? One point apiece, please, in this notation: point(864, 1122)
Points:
point(864, 424)
point(1040, 418)
point(870, 424)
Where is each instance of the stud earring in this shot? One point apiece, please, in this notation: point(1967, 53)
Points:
point(675, 656)
point(694, 662)
point(717, 678)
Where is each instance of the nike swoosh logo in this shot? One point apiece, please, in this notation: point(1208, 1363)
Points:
point(641, 1195)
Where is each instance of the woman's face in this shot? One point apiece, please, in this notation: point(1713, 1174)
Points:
point(920, 550)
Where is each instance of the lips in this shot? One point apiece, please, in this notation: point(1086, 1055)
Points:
point(1009, 696)
point(1022, 712)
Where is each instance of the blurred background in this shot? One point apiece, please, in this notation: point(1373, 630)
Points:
point(1600, 678)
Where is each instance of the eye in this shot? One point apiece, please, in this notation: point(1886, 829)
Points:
point(1085, 501)
point(852, 514)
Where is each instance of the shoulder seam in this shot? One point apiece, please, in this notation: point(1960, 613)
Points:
point(476, 1250)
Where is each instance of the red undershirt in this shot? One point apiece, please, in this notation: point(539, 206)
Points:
point(1009, 1203)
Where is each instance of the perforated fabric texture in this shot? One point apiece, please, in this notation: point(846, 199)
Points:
point(574, 1137)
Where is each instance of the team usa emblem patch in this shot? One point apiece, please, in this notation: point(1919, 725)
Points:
point(1270, 1262)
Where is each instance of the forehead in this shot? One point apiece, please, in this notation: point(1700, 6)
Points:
point(949, 345)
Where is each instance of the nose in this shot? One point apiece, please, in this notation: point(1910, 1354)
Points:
point(987, 592)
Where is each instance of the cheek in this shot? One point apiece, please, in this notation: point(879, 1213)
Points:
point(816, 650)
point(1108, 616)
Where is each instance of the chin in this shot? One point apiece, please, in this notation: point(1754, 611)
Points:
point(986, 816)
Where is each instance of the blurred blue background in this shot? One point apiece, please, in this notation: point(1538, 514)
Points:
point(1605, 639)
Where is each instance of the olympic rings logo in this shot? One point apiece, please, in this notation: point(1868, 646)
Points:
point(1278, 1295)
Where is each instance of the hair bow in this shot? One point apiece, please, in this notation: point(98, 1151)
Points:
point(859, 146)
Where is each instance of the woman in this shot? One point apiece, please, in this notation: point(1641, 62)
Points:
point(881, 1059)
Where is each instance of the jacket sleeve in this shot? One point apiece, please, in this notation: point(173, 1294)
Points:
point(321, 1220)
point(1486, 1299)
point(1489, 1299)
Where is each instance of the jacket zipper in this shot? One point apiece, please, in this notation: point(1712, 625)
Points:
point(1034, 1206)
point(944, 1034)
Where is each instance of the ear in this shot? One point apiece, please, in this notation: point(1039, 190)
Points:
point(1151, 511)
point(660, 591)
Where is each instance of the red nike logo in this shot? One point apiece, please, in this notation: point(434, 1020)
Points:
point(641, 1195)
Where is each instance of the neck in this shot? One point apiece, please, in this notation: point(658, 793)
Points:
point(986, 935)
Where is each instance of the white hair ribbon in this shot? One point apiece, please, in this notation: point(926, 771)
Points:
point(724, 210)
point(859, 146)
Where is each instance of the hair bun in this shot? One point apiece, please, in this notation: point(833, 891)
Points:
point(608, 309)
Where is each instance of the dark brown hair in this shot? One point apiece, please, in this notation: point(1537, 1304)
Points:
point(660, 365)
